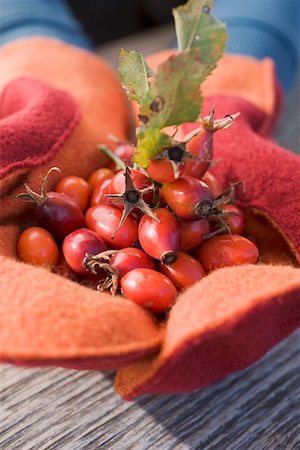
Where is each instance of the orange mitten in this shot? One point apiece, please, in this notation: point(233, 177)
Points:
point(55, 110)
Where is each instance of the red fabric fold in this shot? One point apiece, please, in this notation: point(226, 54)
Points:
point(35, 120)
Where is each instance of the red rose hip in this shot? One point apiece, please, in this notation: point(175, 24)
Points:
point(160, 239)
point(77, 189)
point(226, 250)
point(78, 245)
point(150, 289)
point(184, 272)
point(188, 197)
point(104, 220)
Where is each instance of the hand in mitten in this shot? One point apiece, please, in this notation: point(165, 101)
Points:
point(233, 316)
point(223, 323)
point(54, 112)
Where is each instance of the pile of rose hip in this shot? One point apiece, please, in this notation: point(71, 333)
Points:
point(145, 234)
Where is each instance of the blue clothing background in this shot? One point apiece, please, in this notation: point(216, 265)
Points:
point(255, 27)
point(52, 18)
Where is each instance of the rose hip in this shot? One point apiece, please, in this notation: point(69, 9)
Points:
point(184, 272)
point(59, 214)
point(236, 221)
point(163, 171)
point(130, 258)
point(80, 244)
point(201, 145)
point(99, 194)
point(77, 189)
point(160, 239)
point(98, 176)
point(192, 233)
point(213, 183)
point(226, 250)
point(139, 180)
point(36, 246)
point(105, 219)
point(116, 264)
point(124, 152)
point(54, 211)
point(150, 289)
point(188, 197)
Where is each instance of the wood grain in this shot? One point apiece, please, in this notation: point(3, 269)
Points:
point(257, 409)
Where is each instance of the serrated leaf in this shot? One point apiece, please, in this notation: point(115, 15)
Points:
point(175, 88)
point(134, 73)
point(150, 142)
point(196, 28)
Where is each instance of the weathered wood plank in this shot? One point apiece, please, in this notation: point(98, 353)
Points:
point(257, 409)
point(54, 409)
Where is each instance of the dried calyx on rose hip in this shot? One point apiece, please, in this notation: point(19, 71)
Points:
point(117, 263)
point(131, 198)
point(193, 156)
point(169, 164)
point(227, 218)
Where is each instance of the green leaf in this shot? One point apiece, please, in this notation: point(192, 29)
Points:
point(150, 142)
point(174, 95)
point(134, 73)
point(196, 28)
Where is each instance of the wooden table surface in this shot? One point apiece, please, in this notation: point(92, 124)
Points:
point(258, 408)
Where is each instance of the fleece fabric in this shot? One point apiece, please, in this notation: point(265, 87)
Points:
point(101, 104)
point(223, 323)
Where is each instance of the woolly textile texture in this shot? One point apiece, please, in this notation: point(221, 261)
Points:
point(35, 121)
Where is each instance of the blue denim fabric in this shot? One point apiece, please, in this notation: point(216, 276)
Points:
point(52, 18)
point(263, 28)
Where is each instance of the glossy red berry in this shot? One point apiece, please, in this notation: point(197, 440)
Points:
point(99, 175)
point(200, 146)
point(226, 250)
point(54, 211)
point(169, 164)
point(192, 233)
point(105, 219)
point(36, 246)
point(130, 258)
point(140, 181)
point(163, 171)
point(77, 189)
point(150, 289)
point(236, 221)
point(59, 214)
point(160, 239)
point(78, 245)
point(188, 197)
point(184, 272)
point(99, 194)
point(213, 183)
